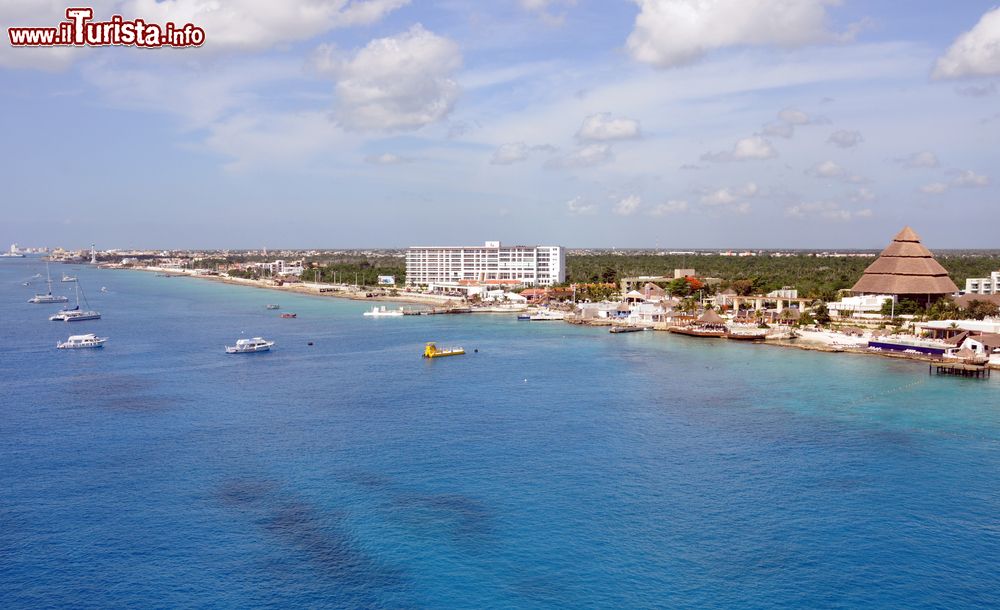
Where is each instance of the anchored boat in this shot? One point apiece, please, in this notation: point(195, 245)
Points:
point(48, 297)
point(82, 341)
point(433, 351)
point(382, 312)
point(250, 346)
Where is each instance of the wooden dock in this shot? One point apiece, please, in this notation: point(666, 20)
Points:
point(956, 369)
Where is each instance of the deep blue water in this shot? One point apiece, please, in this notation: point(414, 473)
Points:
point(558, 467)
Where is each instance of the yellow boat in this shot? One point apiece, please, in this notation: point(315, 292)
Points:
point(433, 351)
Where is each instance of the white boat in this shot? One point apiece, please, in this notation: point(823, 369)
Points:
point(547, 314)
point(76, 314)
point(249, 346)
point(68, 278)
point(48, 297)
point(82, 341)
point(381, 312)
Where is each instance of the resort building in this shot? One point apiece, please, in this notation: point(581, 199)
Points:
point(491, 263)
point(983, 285)
point(906, 270)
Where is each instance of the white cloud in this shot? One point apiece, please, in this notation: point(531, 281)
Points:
point(541, 8)
point(731, 199)
point(845, 138)
point(974, 53)
point(827, 210)
point(670, 33)
point(971, 179)
point(862, 194)
point(828, 169)
point(794, 117)
point(261, 24)
point(922, 159)
point(398, 83)
point(779, 129)
point(387, 159)
point(746, 149)
point(577, 207)
point(627, 205)
point(585, 156)
point(672, 206)
point(603, 128)
point(934, 188)
point(507, 154)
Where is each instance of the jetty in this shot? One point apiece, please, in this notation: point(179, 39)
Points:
point(958, 369)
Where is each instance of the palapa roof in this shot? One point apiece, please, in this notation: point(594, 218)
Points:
point(905, 267)
point(710, 317)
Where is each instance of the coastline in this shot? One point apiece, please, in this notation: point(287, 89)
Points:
point(343, 291)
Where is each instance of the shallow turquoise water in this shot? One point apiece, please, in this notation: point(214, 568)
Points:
point(557, 467)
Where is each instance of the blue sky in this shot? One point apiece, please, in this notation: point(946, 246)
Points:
point(602, 123)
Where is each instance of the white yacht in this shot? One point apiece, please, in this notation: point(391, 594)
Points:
point(76, 314)
point(381, 312)
point(249, 346)
point(48, 297)
point(68, 278)
point(547, 314)
point(82, 341)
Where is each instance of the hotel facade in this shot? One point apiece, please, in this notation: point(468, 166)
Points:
point(491, 263)
point(983, 285)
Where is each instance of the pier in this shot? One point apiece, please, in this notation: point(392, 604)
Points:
point(956, 369)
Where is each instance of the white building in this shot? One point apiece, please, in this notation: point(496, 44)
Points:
point(282, 267)
point(491, 263)
point(983, 285)
point(865, 304)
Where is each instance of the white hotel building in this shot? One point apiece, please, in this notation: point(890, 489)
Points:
point(983, 285)
point(491, 263)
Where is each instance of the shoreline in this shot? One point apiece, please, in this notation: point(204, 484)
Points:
point(339, 291)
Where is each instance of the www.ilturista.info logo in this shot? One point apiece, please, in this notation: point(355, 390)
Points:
point(79, 30)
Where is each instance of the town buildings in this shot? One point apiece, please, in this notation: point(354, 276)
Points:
point(491, 263)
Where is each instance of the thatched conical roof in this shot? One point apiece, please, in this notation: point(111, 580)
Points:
point(906, 267)
point(710, 317)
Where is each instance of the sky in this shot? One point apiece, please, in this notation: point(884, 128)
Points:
point(585, 123)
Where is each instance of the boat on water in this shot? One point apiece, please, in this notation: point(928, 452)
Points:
point(104, 288)
point(48, 297)
point(547, 315)
point(289, 315)
point(626, 329)
point(76, 314)
point(68, 278)
point(273, 306)
point(431, 350)
point(747, 334)
point(381, 312)
point(523, 317)
point(82, 341)
point(250, 346)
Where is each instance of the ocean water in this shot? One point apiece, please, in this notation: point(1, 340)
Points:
point(557, 467)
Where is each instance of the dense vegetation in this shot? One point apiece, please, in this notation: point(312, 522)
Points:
point(812, 276)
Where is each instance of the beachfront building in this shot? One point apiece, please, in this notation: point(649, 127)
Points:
point(491, 263)
point(906, 270)
point(983, 285)
point(868, 305)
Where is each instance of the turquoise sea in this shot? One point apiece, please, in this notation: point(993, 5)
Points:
point(557, 467)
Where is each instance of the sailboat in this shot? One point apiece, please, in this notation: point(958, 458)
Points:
point(75, 315)
point(48, 297)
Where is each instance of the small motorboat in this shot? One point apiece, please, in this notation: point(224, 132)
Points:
point(68, 278)
point(289, 315)
point(104, 288)
point(82, 341)
point(382, 312)
point(433, 351)
point(249, 346)
point(523, 317)
point(273, 306)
